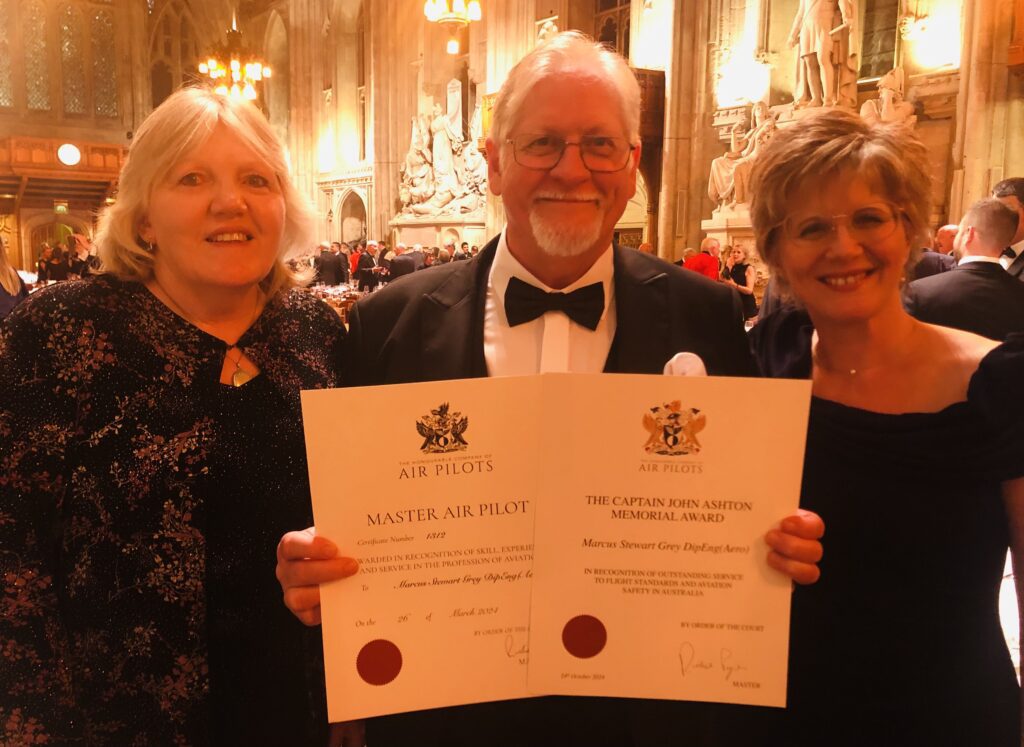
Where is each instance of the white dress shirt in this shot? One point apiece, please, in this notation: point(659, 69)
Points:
point(968, 258)
point(1017, 249)
point(551, 342)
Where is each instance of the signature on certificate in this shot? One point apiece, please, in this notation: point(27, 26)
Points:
point(515, 647)
point(689, 661)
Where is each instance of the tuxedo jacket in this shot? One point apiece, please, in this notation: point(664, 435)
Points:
point(429, 327)
point(406, 264)
point(980, 297)
point(932, 263)
point(330, 268)
point(364, 270)
point(1016, 268)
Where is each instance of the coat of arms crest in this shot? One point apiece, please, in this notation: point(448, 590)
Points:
point(442, 431)
point(673, 429)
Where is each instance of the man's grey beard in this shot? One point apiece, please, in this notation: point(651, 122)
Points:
point(564, 238)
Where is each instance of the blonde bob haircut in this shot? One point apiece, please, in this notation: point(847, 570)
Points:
point(179, 125)
point(836, 144)
point(564, 52)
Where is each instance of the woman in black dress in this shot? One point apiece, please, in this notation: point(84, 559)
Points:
point(915, 456)
point(153, 454)
point(742, 277)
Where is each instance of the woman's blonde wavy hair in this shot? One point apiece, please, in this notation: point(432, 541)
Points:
point(175, 128)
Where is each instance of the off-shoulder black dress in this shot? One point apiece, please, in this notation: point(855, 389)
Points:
point(141, 502)
point(900, 643)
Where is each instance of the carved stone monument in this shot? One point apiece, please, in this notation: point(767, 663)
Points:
point(443, 177)
point(889, 107)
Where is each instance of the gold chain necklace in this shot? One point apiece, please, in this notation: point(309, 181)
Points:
point(240, 377)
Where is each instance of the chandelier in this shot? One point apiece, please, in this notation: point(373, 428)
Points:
point(233, 69)
point(453, 16)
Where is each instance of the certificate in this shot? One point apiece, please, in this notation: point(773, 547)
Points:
point(650, 571)
point(554, 534)
point(432, 488)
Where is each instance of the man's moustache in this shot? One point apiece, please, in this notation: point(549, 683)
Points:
point(567, 197)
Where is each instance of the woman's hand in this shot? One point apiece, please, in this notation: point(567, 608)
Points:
point(795, 546)
point(304, 561)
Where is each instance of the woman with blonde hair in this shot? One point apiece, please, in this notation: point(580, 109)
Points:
point(915, 455)
point(153, 454)
point(12, 288)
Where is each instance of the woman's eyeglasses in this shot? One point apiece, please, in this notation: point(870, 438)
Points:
point(869, 223)
point(600, 153)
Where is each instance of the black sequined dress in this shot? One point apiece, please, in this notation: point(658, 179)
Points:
point(141, 502)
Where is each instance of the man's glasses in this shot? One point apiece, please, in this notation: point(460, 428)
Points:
point(600, 153)
point(869, 223)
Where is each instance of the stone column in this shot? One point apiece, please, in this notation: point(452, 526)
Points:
point(682, 179)
point(304, 42)
point(510, 35)
point(982, 126)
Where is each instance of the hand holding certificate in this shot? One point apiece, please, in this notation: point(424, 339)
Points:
point(614, 500)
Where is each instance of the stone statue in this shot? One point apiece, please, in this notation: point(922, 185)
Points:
point(729, 180)
point(416, 172)
point(442, 173)
point(889, 106)
point(828, 61)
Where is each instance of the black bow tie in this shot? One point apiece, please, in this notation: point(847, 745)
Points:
point(1008, 252)
point(525, 302)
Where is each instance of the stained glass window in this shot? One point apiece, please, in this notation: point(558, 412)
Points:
point(6, 78)
point(72, 61)
point(104, 64)
point(37, 73)
point(878, 48)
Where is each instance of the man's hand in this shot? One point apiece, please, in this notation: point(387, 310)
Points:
point(796, 547)
point(304, 561)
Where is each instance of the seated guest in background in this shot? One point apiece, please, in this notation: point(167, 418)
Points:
point(706, 262)
point(978, 295)
point(900, 643)
point(151, 464)
point(562, 154)
point(473, 251)
point(1010, 192)
point(742, 277)
point(12, 287)
point(443, 257)
point(646, 247)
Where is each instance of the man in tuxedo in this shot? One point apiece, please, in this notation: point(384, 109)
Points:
point(1010, 192)
point(978, 295)
point(328, 265)
point(368, 269)
point(551, 293)
point(940, 257)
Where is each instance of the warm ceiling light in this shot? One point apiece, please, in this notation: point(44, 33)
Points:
point(242, 66)
point(453, 16)
point(69, 155)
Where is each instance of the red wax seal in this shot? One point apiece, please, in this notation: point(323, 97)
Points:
point(584, 636)
point(379, 662)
